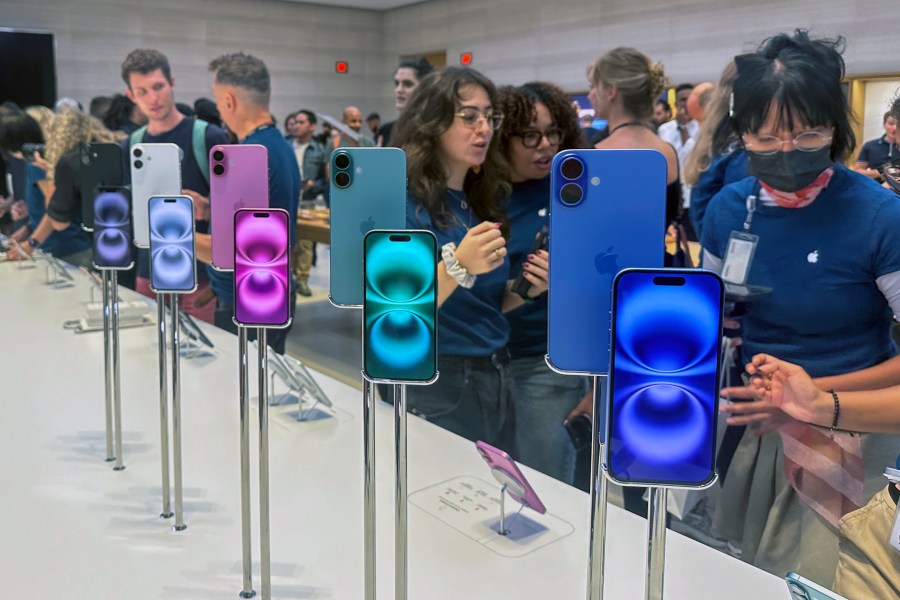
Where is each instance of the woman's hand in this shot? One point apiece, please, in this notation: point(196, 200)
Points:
point(777, 386)
point(483, 248)
point(534, 269)
point(584, 407)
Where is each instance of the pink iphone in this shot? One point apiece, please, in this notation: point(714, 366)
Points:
point(239, 178)
point(506, 471)
point(262, 276)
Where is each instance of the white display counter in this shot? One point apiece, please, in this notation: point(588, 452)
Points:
point(74, 528)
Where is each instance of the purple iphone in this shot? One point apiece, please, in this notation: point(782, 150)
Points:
point(239, 178)
point(506, 471)
point(262, 282)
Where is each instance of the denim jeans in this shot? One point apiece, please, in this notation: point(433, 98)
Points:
point(543, 401)
point(472, 397)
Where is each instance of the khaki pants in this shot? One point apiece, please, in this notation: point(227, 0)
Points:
point(301, 259)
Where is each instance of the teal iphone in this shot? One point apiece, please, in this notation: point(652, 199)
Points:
point(368, 191)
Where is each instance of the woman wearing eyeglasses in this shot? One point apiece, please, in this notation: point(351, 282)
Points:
point(826, 243)
point(538, 122)
point(456, 183)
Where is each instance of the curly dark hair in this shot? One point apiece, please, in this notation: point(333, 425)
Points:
point(517, 105)
point(428, 115)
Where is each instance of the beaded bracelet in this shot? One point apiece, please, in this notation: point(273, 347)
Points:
point(837, 409)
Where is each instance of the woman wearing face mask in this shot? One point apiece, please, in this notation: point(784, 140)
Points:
point(827, 246)
point(538, 122)
point(456, 184)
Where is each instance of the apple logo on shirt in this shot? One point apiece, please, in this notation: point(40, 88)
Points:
point(813, 257)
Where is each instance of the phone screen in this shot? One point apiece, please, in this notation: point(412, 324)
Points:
point(112, 229)
point(172, 264)
point(261, 275)
point(666, 330)
point(400, 305)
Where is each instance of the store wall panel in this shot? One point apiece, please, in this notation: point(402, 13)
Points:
point(299, 42)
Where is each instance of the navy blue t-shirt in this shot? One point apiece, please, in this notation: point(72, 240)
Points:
point(191, 177)
point(725, 168)
point(826, 312)
point(528, 208)
point(470, 322)
point(284, 192)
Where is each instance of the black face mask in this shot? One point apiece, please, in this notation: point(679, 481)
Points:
point(789, 171)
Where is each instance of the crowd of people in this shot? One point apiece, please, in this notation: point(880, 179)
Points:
point(760, 152)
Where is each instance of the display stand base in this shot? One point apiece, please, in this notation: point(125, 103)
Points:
point(471, 506)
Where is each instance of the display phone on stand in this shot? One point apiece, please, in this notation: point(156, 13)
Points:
point(239, 178)
point(101, 166)
point(506, 472)
point(607, 213)
point(664, 376)
point(155, 171)
point(262, 282)
point(400, 306)
point(368, 191)
point(804, 589)
point(112, 229)
point(893, 476)
point(173, 266)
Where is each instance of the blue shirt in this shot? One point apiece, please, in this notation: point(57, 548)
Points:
point(826, 312)
point(284, 192)
point(470, 321)
point(191, 178)
point(725, 168)
point(528, 207)
point(63, 243)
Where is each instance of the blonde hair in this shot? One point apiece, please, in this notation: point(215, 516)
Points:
point(716, 131)
point(71, 128)
point(637, 79)
point(44, 117)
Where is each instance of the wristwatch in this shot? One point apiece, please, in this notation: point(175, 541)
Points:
point(34, 243)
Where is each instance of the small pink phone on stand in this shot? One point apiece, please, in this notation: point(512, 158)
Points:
point(506, 472)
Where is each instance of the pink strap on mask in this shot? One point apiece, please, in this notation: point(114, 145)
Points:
point(802, 197)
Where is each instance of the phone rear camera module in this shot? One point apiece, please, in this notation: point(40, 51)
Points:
point(341, 179)
point(138, 164)
point(138, 153)
point(571, 193)
point(218, 155)
point(572, 168)
point(219, 169)
point(342, 161)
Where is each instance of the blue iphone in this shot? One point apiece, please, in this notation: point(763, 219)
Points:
point(607, 213)
point(368, 191)
point(172, 263)
point(666, 332)
point(400, 306)
point(804, 589)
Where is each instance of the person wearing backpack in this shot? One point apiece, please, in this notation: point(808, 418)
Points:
point(150, 85)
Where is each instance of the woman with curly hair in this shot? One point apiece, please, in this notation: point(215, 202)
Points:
point(61, 160)
point(457, 181)
point(538, 121)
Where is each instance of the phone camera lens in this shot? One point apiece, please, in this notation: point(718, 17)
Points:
point(138, 164)
point(571, 193)
point(138, 153)
point(342, 179)
point(218, 155)
point(342, 161)
point(572, 168)
point(219, 169)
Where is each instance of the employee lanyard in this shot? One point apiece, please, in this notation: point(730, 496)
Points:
point(257, 130)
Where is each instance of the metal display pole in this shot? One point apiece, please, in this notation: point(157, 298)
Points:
point(503, 530)
point(265, 571)
point(599, 492)
point(107, 366)
point(369, 486)
point(656, 543)
point(176, 417)
point(163, 405)
point(400, 523)
point(244, 371)
point(117, 379)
